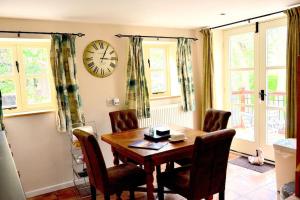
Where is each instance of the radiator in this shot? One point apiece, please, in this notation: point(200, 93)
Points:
point(167, 115)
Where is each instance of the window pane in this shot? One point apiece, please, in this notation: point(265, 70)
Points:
point(158, 82)
point(242, 80)
point(242, 118)
point(242, 103)
point(241, 50)
point(38, 91)
point(9, 96)
point(276, 80)
point(157, 58)
point(6, 61)
point(276, 46)
point(276, 105)
point(36, 60)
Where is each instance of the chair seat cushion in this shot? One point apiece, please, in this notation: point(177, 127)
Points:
point(125, 176)
point(177, 180)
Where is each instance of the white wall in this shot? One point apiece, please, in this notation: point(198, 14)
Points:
point(41, 153)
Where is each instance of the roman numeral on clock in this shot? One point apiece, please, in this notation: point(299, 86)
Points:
point(89, 59)
point(96, 69)
point(95, 46)
point(112, 52)
point(101, 45)
point(113, 65)
point(91, 64)
point(102, 72)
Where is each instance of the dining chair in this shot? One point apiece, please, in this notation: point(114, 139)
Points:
point(122, 120)
point(214, 120)
point(111, 180)
point(207, 174)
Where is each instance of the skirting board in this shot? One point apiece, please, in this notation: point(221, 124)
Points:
point(48, 189)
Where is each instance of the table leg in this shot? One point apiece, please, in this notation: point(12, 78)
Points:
point(149, 169)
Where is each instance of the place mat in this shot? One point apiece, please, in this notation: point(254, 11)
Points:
point(242, 161)
point(144, 144)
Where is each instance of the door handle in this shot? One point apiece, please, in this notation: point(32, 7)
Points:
point(262, 95)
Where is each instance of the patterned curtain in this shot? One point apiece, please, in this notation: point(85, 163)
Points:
point(208, 71)
point(293, 50)
point(64, 73)
point(1, 114)
point(137, 96)
point(184, 69)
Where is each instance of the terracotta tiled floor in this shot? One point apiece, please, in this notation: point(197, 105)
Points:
point(241, 184)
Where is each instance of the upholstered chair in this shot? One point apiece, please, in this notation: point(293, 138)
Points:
point(207, 174)
point(122, 120)
point(111, 180)
point(214, 120)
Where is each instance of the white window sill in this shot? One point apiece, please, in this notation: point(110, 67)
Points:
point(18, 114)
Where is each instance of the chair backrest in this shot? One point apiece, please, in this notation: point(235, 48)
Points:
point(94, 160)
point(215, 120)
point(209, 165)
point(123, 120)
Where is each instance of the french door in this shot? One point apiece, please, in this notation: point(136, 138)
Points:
point(255, 85)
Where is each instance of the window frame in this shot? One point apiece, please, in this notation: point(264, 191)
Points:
point(23, 107)
point(168, 47)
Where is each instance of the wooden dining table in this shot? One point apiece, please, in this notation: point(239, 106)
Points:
point(151, 158)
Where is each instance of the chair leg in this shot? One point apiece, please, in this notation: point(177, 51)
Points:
point(116, 159)
point(170, 166)
point(106, 196)
point(93, 192)
point(222, 195)
point(160, 187)
point(119, 195)
point(131, 194)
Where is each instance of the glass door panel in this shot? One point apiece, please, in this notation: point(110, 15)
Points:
point(275, 62)
point(276, 105)
point(242, 103)
point(241, 64)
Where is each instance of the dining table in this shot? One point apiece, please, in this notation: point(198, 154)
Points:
point(150, 158)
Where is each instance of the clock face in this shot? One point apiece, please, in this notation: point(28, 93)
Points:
point(100, 58)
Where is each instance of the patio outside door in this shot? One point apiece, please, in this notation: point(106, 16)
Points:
point(255, 80)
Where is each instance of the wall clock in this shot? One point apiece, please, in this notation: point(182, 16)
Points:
point(100, 58)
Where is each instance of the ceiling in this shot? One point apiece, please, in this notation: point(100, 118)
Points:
point(162, 13)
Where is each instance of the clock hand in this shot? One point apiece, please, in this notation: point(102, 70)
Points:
point(104, 53)
point(106, 59)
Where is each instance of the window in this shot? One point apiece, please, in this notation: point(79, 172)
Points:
point(25, 75)
point(160, 68)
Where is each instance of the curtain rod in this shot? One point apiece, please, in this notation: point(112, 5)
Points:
point(42, 33)
point(152, 36)
point(247, 20)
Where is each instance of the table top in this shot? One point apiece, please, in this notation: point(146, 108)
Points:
point(120, 142)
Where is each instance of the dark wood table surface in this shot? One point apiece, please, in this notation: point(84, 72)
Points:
point(151, 158)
